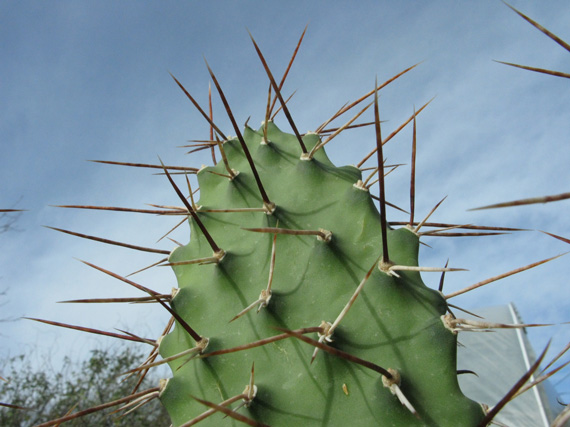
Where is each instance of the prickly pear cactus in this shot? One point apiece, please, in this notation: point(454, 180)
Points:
point(297, 302)
point(395, 362)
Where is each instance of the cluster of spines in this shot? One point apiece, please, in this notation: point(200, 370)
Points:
point(325, 330)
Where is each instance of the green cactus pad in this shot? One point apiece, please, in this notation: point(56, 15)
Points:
point(395, 322)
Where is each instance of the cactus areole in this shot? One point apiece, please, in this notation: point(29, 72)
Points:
point(300, 322)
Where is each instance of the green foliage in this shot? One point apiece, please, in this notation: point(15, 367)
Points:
point(49, 394)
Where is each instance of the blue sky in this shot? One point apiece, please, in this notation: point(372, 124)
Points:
point(89, 80)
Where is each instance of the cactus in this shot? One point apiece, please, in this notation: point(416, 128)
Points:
point(297, 300)
point(325, 281)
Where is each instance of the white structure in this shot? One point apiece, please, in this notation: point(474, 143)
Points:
point(500, 358)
